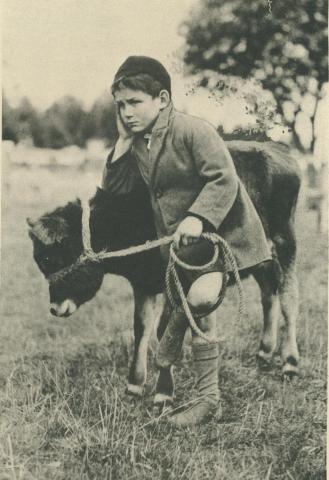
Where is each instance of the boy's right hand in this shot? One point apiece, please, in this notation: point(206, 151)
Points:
point(124, 132)
point(124, 141)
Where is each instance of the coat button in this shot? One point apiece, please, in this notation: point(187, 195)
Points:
point(158, 193)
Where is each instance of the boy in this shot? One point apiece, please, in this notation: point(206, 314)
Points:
point(193, 188)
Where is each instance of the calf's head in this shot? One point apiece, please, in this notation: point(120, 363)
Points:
point(57, 246)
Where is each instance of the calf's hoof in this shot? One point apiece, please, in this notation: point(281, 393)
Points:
point(264, 362)
point(200, 412)
point(265, 356)
point(290, 368)
point(134, 390)
point(162, 404)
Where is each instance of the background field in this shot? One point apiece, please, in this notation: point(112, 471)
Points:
point(64, 413)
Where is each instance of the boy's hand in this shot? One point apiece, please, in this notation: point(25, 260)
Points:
point(124, 141)
point(188, 231)
point(124, 132)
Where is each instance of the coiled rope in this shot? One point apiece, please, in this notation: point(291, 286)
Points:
point(229, 265)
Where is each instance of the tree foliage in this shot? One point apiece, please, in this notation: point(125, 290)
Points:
point(281, 43)
point(9, 124)
point(64, 123)
point(101, 118)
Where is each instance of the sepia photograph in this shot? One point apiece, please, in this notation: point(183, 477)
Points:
point(164, 240)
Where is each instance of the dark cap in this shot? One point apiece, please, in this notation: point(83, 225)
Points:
point(135, 65)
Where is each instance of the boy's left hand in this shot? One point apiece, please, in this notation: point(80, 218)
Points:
point(188, 231)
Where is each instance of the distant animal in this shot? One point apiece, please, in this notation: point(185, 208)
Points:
point(272, 179)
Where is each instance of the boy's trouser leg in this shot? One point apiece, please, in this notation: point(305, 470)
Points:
point(203, 294)
point(205, 357)
point(171, 343)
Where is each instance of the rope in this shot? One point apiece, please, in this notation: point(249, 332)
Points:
point(171, 272)
point(229, 263)
point(86, 241)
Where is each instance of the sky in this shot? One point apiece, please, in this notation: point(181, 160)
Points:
point(52, 48)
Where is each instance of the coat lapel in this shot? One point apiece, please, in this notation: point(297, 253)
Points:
point(159, 133)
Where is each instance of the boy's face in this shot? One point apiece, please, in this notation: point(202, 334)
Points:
point(138, 110)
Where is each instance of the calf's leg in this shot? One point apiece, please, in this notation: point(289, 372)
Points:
point(288, 294)
point(164, 390)
point(267, 278)
point(144, 319)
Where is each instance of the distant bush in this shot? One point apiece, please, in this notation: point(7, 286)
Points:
point(64, 123)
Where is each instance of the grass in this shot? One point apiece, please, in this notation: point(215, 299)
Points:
point(64, 412)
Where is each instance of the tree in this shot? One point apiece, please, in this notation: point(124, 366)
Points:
point(29, 123)
point(9, 124)
point(22, 122)
point(282, 43)
point(64, 123)
point(101, 121)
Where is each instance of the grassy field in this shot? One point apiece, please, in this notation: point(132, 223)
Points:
point(64, 413)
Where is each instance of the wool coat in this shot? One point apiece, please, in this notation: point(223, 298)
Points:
point(189, 171)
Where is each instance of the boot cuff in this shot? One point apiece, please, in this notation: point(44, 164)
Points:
point(205, 351)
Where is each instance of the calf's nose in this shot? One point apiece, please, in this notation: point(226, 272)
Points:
point(65, 309)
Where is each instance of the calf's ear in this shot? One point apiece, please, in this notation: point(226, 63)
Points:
point(48, 232)
point(30, 222)
point(39, 231)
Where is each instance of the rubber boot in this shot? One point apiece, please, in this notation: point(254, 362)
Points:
point(171, 343)
point(205, 358)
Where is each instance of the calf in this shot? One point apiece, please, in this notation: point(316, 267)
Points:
point(272, 180)
point(116, 221)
